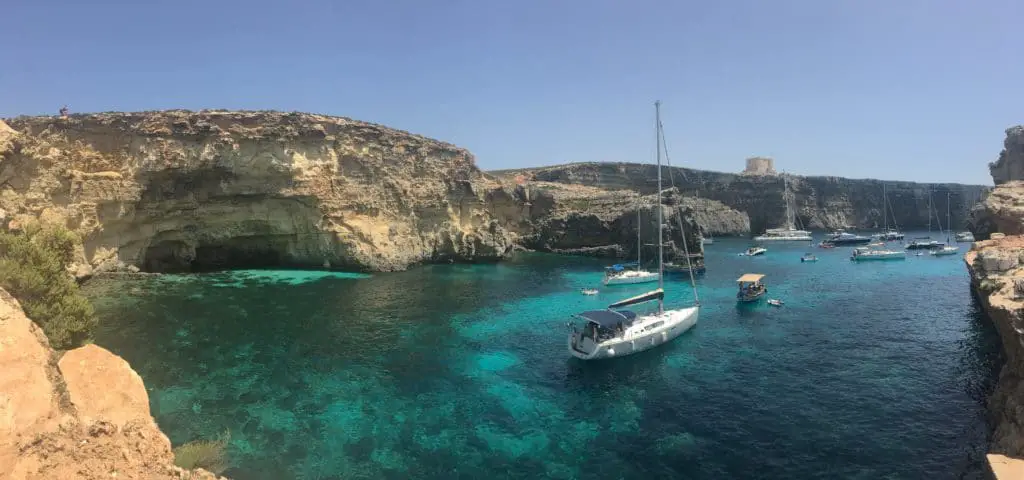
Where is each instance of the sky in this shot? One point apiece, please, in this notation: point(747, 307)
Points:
point(904, 90)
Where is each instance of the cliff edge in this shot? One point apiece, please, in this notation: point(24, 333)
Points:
point(996, 266)
point(180, 190)
point(83, 416)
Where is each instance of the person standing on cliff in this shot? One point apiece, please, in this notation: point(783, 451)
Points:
point(64, 111)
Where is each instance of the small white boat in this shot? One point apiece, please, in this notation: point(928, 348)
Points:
point(775, 302)
point(862, 254)
point(807, 257)
point(947, 250)
point(752, 251)
point(965, 237)
point(629, 277)
point(588, 291)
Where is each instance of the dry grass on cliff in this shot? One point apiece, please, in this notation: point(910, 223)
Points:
point(33, 268)
point(206, 454)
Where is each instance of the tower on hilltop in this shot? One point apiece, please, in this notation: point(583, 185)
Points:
point(760, 166)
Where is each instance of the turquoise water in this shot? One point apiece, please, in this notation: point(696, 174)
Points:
point(871, 370)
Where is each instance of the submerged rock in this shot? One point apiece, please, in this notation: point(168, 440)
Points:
point(85, 417)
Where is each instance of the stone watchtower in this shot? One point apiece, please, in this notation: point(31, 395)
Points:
point(760, 166)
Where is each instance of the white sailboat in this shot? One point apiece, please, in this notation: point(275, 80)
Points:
point(887, 233)
point(619, 274)
point(615, 332)
point(950, 248)
point(789, 233)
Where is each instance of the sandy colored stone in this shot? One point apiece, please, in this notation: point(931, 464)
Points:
point(28, 404)
point(85, 417)
point(102, 386)
point(1006, 468)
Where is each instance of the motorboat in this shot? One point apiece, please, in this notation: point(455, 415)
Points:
point(588, 291)
point(825, 244)
point(862, 254)
point(775, 302)
point(890, 236)
point(751, 288)
point(616, 331)
point(946, 250)
point(924, 243)
point(841, 238)
point(965, 237)
point(754, 251)
point(619, 275)
point(807, 257)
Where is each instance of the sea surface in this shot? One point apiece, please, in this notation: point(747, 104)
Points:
point(870, 371)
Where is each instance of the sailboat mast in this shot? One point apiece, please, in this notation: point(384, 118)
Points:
point(929, 209)
point(949, 224)
point(657, 133)
point(638, 234)
point(885, 215)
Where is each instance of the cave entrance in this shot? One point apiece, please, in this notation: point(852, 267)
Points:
point(242, 252)
point(173, 256)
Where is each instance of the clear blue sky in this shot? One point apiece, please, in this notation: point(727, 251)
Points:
point(897, 89)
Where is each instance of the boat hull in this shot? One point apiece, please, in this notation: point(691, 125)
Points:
point(924, 246)
point(644, 277)
point(764, 238)
point(876, 258)
point(676, 322)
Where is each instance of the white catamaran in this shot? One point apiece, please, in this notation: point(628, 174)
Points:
point(615, 332)
point(789, 233)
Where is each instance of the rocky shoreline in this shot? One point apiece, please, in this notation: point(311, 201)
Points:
point(79, 414)
point(996, 266)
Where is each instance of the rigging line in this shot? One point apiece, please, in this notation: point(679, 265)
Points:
point(679, 216)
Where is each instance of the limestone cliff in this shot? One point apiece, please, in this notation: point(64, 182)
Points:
point(586, 220)
point(84, 416)
point(821, 202)
point(180, 190)
point(996, 266)
point(1003, 209)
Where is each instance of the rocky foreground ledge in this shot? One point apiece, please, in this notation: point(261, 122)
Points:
point(84, 415)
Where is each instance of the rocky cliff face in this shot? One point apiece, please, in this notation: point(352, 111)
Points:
point(996, 266)
point(821, 202)
point(83, 416)
point(586, 220)
point(1003, 209)
point(180, 190)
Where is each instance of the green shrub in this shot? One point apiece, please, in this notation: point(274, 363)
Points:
point(208, 455)
point(33, 268)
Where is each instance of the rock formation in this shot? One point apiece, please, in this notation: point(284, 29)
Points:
point(996, 266)
point(1003, 208)
point(590, 221)
point(821, 202)
point(85, 416)
point(176, 190)
point(179, 190)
